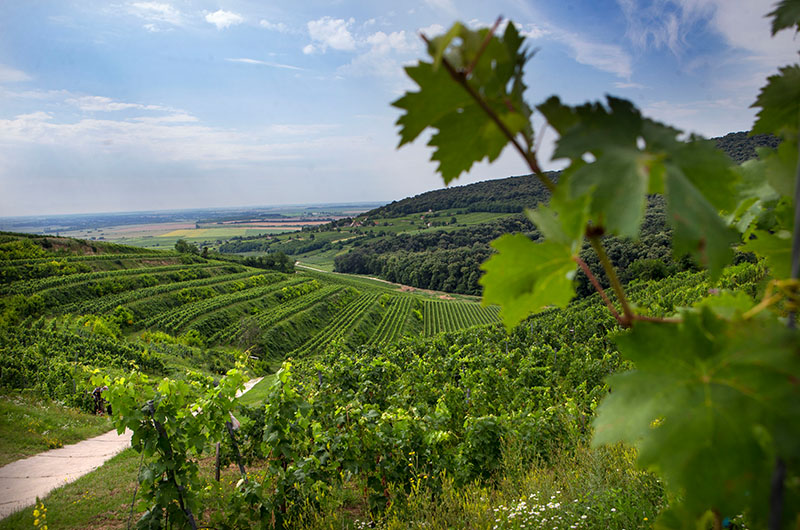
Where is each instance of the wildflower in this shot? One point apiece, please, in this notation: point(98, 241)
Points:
point(613, 509)
point(36, 522)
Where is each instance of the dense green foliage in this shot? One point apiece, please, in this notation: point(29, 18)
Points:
point(389, 419)
point(710, 399)
point(162, 313)
point(741, 146)
point(509, 195)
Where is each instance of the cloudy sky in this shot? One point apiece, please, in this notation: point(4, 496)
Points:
point(160, 104)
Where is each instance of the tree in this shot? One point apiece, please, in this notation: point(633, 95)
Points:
point(184, 247)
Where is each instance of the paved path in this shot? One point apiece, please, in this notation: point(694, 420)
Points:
point(36, 476)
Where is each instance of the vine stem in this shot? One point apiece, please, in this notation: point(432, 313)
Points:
point(597, 245)
point(598, 288)
point(461, 79)
point(484, 44)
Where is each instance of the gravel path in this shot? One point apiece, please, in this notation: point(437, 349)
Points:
point(36, 476)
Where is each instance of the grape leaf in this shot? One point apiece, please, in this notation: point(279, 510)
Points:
point(785, 15)
point(617, 183)
point(594, 128)
point(524, 277)
point(467, 134)
point(780, 102)
point(709, 170)
point(775, 248)
point(438, 96)
point(700, 387)
point(781, 166)
point(698, 229)
point(562, 220)
point(635, 156)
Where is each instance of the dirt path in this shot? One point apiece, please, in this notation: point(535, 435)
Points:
point(405, 288)
point(36, 476)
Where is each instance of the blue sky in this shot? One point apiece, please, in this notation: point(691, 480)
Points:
point(161, 104)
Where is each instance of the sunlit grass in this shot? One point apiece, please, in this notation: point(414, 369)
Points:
point(30, 425)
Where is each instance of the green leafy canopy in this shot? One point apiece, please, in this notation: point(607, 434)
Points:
point(706, 393)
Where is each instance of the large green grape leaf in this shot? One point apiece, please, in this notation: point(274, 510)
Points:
point(439, 96)
point(466, 132)
point(591, 127)
point(563, 219)
point(786, 15)
point(617, 183)
point(775, 248)
point(634, 156)
point(698, 228)
point(780, 102)
point(524, 277)
point(781, 165)
point(709, 170)
point(712, 397)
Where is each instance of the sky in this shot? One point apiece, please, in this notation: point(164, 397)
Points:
point(162, 104)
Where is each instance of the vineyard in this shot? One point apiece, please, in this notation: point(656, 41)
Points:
point(171, 310)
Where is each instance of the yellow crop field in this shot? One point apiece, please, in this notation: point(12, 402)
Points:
point(187, 232)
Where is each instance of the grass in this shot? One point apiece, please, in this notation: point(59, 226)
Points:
point(100, 499)
point(319, 260)
point(30, 425)
point(258, 393)
point(588, 488)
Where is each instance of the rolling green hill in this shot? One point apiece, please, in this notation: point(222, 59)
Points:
point(437, 240)
point(63, 312)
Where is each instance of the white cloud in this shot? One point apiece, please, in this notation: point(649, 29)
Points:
point(12, 75)
point(707, 117)
point(397, 41)
point(263, 63)
point(443, 5)
point(432, 30)
point(606, 57)
point(741, 23)
point(384, 55)
point(656, 24)
point(224, 19)
point(308, 49)
point(532, 31)
point(622, 85)
point(170, 118)
point(104, 104)
point(280, 27)
point(157, 14)
point(168, 135)
point(328, 32)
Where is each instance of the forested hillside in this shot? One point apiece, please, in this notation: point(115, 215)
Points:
point(450, 260)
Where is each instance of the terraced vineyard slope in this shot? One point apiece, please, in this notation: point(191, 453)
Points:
point(63, 313)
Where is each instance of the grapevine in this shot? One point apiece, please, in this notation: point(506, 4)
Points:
point(712, 403)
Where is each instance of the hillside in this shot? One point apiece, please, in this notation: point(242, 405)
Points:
point(446, 254)
point(166, 310)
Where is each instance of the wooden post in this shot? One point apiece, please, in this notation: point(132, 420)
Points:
point(216, 472)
